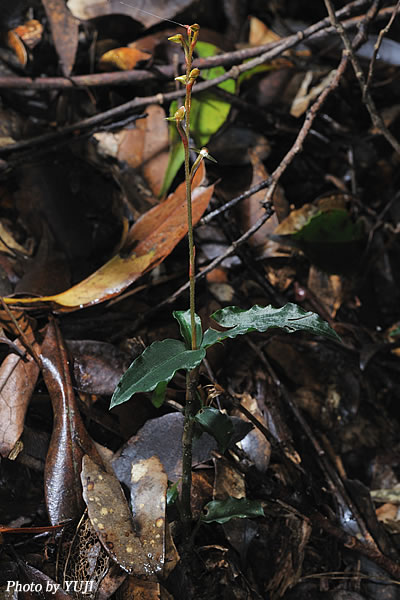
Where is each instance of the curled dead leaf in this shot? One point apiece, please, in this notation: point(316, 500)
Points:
point(151, 239)
point(123, 59)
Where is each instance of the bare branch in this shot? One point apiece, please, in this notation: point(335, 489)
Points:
point(369, 102)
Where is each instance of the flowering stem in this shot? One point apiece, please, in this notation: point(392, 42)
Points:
point(191, 378)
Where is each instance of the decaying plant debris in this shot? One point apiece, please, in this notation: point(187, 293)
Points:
point(295, 485)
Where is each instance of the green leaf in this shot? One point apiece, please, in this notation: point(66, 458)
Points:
point(208, 113)
point(172, 493)
point(158, 363)
point(232, 508)
point(331, 226)
point(183, 318)
point(158, 396)
point(176, 153)
point(217, 424)
point(290, 317)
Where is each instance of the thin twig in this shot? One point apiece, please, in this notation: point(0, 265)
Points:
point(367, 98)
point(167, 72)
point(378, 43)
point(114, 113)
point(351, 542)
point(24, 338)
point(271, 183)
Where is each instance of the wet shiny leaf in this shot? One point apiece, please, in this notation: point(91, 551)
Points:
point(69, 440)
point(290, 318)
point(222, 511)
point(157, 364)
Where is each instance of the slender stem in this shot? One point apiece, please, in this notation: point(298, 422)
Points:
point(187, 443)
point(188, 102)
point(191, 376)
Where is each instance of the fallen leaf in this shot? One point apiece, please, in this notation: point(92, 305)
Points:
point(146, 147)
point(305, 96)
point(8, 243)
point(160, 437)
point(261, 34)
point(251, 210)
point(98, 366)
point(148, 501)
point(329, 289)
point(30, 32)
point(17, 381)
point(147, 12)
point(111, 518)
point(136, 589)
point(16, 44)
point(123, 59)
point(50, 590)
point(255, 444)
point(64, 30)
point(152, 238)
point(69, 440)
point(228, 481)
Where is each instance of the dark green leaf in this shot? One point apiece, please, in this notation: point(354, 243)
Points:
point(330, 226)
point(158, 363)
point(172, 493)
point(183, 318)
point(290, 318)
point(217, 424)
point(232, 508)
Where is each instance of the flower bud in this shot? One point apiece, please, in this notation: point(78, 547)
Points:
point(180, 114)
point(194, 73)
point(181, 78)
point(178, 39)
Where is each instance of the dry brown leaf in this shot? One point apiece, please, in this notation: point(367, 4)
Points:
point(136, 589)
point(329, 289)
point(305, 95)
point(17, 382)
point(64, 30)
point(8, 243)
point(228, 481)
point(261, 34)
point(146, 147)
point(252, 210)
point(30, 32)
point(123, 59)
point(16, 44)
point(154, 10)
point(149, 242)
